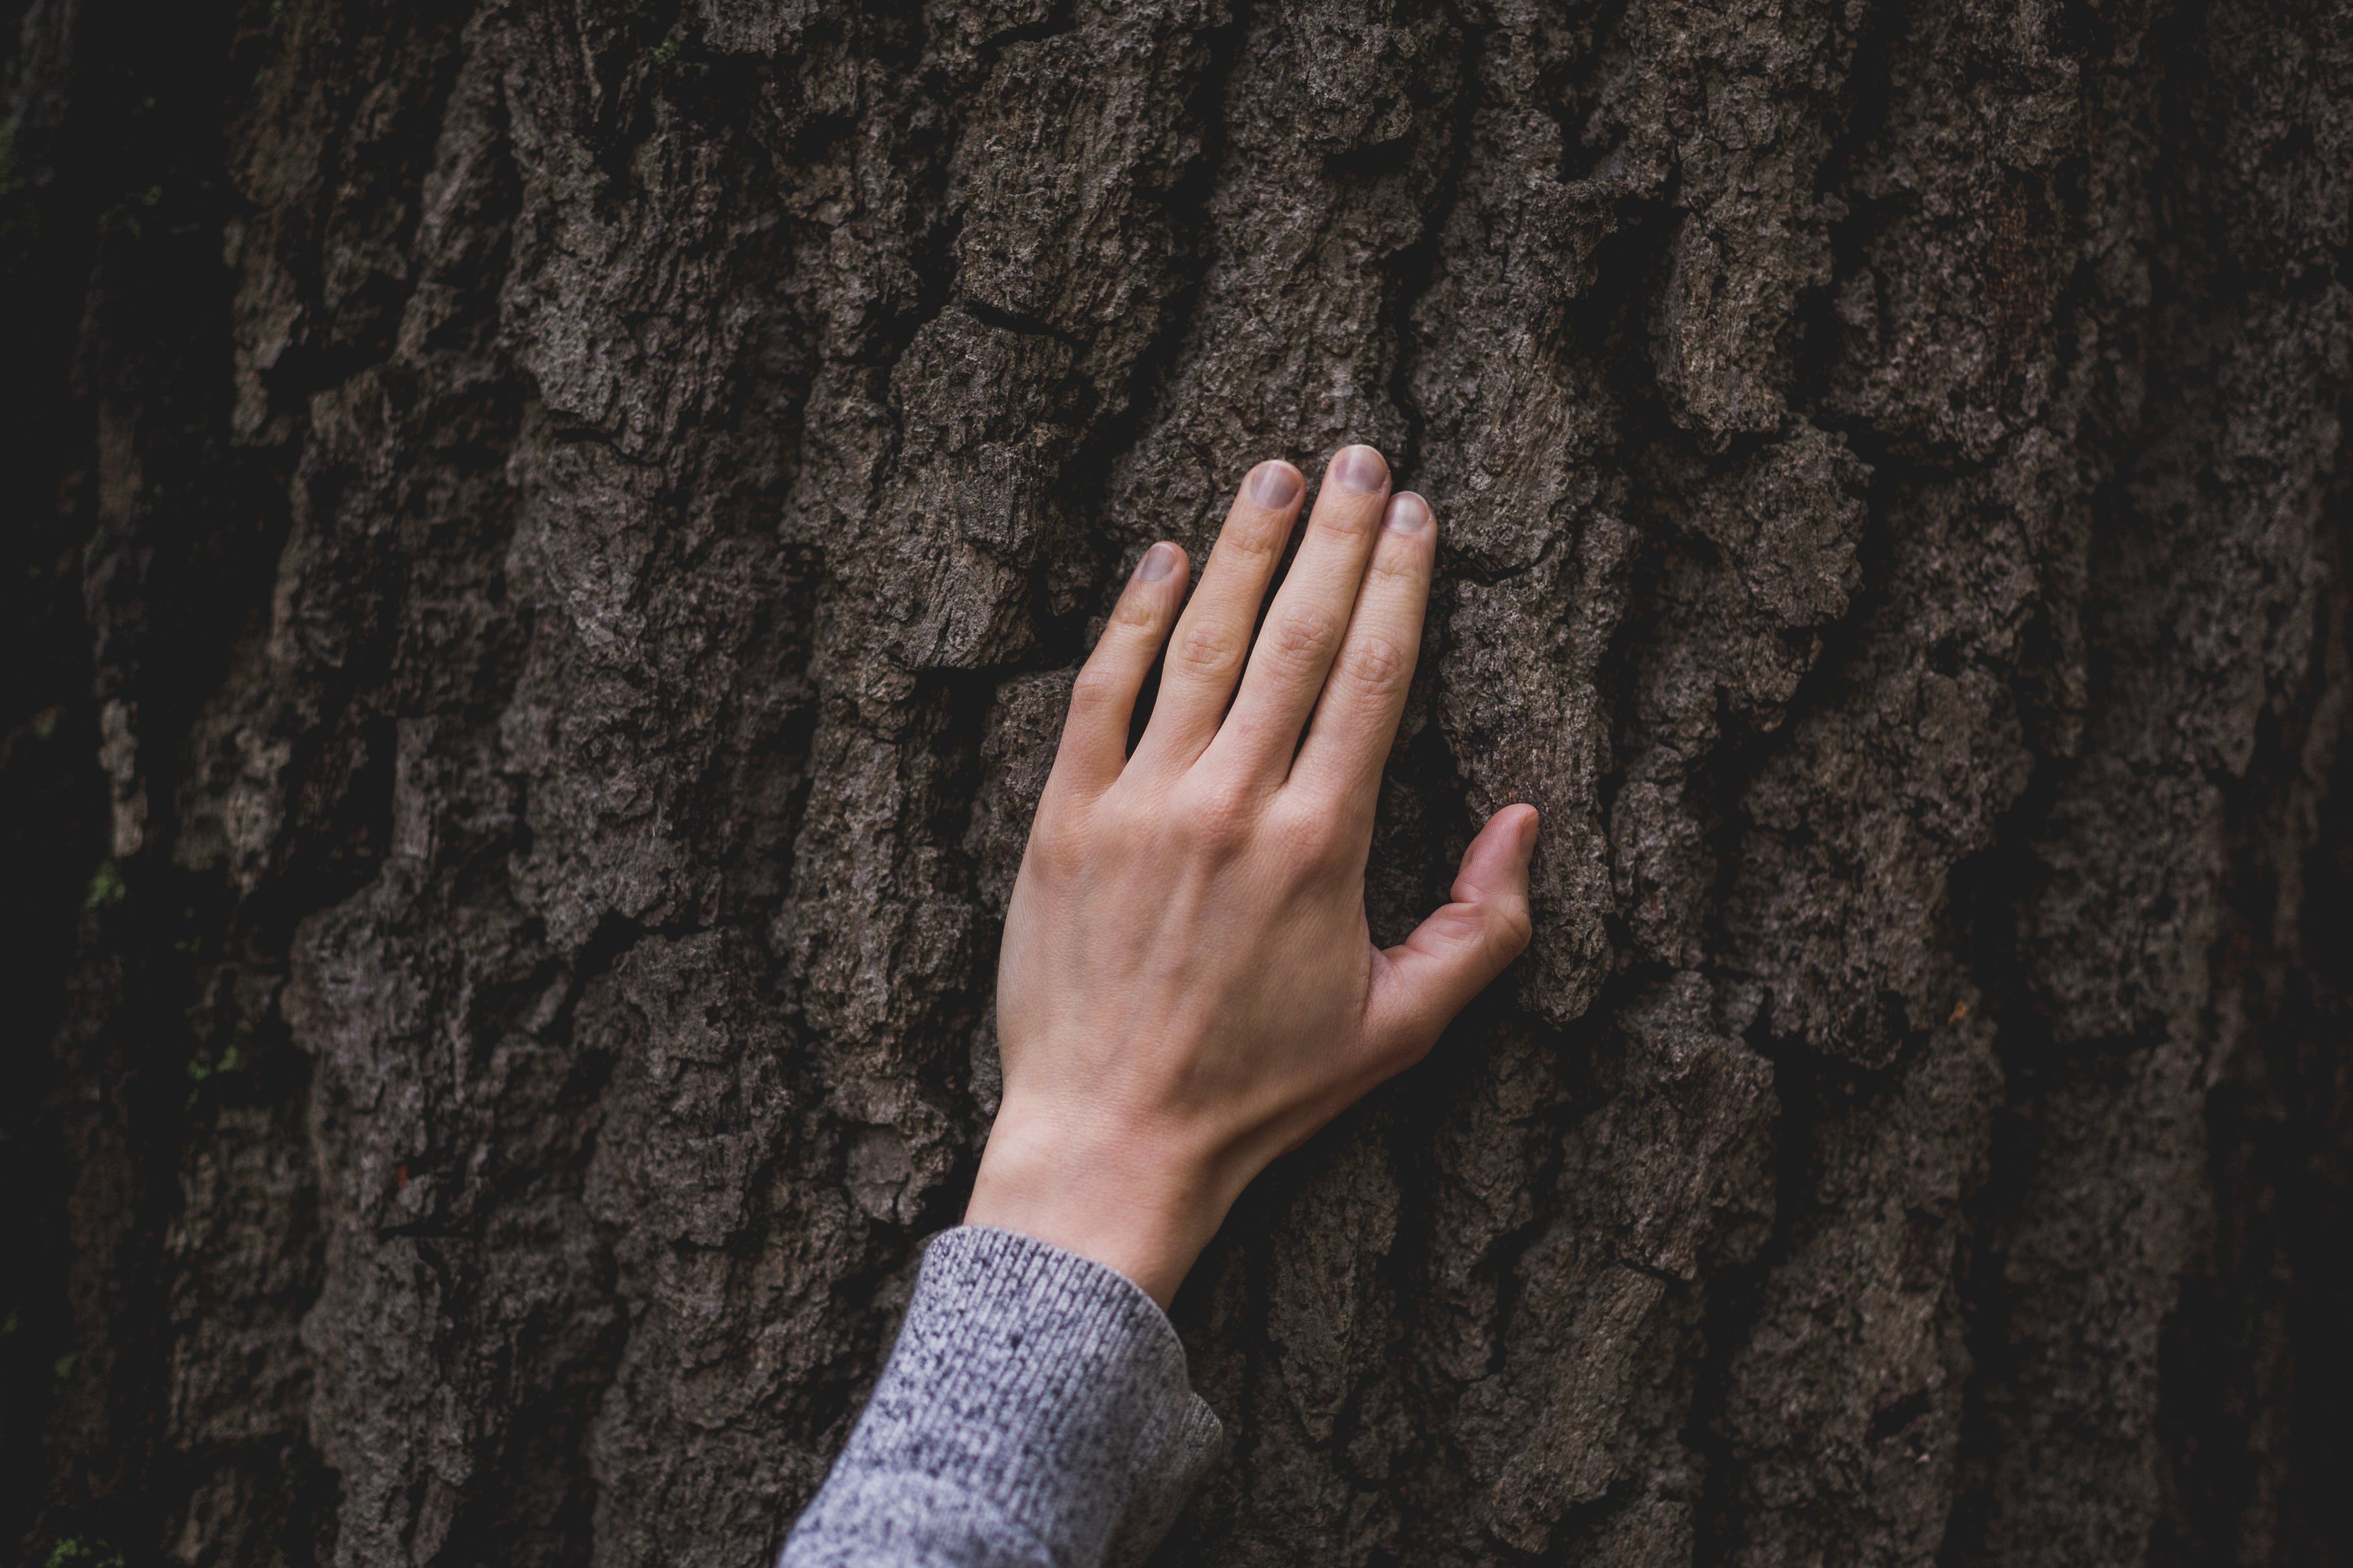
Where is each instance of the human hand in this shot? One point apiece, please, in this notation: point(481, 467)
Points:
point(1188, 986)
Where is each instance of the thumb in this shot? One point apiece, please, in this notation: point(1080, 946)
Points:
point(1450, 957)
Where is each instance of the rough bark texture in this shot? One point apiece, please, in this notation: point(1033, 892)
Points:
point(546, 541)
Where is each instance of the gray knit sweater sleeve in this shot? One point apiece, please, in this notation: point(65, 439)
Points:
point(1035, 1411)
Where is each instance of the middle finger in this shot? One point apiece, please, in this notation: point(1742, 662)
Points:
point(1304, 624)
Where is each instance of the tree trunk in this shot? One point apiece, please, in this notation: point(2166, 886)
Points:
point(547, 543)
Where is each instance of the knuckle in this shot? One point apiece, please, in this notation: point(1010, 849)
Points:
point(1375, 664)
point(1095, 688)
point(1330, 854)
point(1456, 927)
point(1311, 831)
point(1054, 846)
point(1300, 639)
point(1206, 645)
point(1514, 928)
point(1350, 514)
point(1214, 820)
point(1253, 541)
point(1058, 857)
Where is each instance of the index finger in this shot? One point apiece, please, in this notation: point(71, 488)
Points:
point(1206, 651)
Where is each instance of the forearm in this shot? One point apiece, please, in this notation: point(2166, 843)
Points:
point(1035, 1411)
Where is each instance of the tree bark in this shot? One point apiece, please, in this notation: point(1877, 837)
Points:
point(547, 543)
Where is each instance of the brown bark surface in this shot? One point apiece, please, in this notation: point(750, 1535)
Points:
point(546, 539)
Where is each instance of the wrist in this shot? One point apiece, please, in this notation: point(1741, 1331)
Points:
point(1134, 1199)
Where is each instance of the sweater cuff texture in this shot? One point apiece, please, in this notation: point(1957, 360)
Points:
point(1044, 1386)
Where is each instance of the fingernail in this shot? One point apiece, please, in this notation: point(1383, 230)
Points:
point(1358, 468)
point(1273, 484)
point(1527, 835)
point(1158, 563)
point(1408, 513)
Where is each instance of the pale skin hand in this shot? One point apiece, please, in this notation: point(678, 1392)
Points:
point(1188, 986)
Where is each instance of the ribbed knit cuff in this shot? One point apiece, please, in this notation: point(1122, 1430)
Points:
point(1032, 1394)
